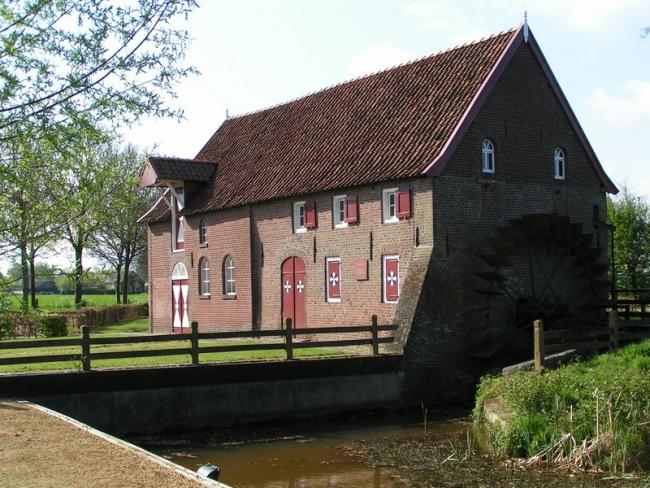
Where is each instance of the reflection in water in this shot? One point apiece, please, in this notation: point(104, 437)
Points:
point(296, 456)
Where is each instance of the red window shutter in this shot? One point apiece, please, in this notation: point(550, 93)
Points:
point(403, 203)
point(333, 279)
point(310, 215)
point(351, 210)
point(391, 279)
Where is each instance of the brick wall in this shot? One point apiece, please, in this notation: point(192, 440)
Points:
point(261, 237)
point(525, 121)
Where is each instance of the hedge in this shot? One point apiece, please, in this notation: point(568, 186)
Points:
point(15, 324)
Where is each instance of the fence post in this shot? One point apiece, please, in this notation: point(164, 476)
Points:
point(538, 339)
point(288, 336)
point(194, 340)
point(85, 348)
point(613, 329)
point(375, 336)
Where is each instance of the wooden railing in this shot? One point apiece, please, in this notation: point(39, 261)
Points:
point(194, 349)
point(632, 327)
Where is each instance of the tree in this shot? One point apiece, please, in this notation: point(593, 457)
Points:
point(630, 214)
point(121, 240)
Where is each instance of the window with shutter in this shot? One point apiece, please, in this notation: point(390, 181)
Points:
point(333, 275)
point(339, 212)
point(299, 217)
point(390, 276)
point(310, 215)
point(404, 203)
point(351, 210)
point(389, 205)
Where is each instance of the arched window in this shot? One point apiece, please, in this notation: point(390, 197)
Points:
point(203, 232)
point(204, 280)
point(487, 150)
point(558, 159)
point(179, 272)
point(229, 275)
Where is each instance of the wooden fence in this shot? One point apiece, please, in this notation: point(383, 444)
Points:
point(632, 326)
point(193, 347)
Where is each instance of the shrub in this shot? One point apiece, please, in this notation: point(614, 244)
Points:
point(52, 325)
point(7, 330)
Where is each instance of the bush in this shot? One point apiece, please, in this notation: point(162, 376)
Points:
point(6, 326)
point(52, 325)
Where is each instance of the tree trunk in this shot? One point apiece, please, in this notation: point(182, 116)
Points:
point(118, 283)
point(125, 287)
point(32, 277)
point(24, 267)
point(78, 274)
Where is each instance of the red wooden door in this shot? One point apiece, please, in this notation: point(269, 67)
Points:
point(293, 291)
point(180, 315)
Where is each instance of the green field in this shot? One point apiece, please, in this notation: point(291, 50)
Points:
point(140, 327)
point(55, 303)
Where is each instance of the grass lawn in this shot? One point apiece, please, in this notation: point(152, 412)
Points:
point(54, 303)
point(140, 327)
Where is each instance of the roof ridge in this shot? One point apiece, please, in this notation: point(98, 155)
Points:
point(374, 73)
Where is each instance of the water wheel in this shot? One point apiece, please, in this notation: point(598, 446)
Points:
point(539, 266)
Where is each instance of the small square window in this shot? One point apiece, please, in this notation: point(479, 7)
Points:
point(338, 212)
point(299, 217)
point(389, 205)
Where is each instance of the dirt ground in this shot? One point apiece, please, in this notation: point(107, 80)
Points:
point(38, 450)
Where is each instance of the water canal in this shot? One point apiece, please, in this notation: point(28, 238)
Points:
point(304, 455)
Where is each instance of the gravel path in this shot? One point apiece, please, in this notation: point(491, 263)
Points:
point(39, 450)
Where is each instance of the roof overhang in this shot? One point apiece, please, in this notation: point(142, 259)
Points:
point(173, 172)
point(436, 167)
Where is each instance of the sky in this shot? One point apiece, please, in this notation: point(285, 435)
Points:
point(253, 54)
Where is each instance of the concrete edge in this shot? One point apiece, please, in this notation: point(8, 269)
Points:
point(187, 473)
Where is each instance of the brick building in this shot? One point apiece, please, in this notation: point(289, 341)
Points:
point(382, 195)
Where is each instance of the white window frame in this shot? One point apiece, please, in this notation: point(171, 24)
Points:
point(487, 156)
point(204, 279)
point(559, 161)
point(178, 205)
point(383, 278)
point(203, 232)
point(229, 276)
point(337, 201)
point(327, 278)
point(299, 228)
point(386, 205)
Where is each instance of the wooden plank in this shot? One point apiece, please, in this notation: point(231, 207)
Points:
point(38, 344)
point(573, 336)
point(242, 347)
point(241, 334)
point(386, 340)
point(54, 358)
point(139, 354)
point(625, 336)
point(139, 339)
point(339, 343)
point(383, 328)
point(351, 329)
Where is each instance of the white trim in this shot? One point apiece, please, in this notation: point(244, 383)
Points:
point(488, 150)
point(385, 205)
point(178, 266)
point(336, 212)
point(383, 277)
point(296, 217)
point(229, 259)
point(327, 280)
point(203, 282)
point(162, 197)
point(558, 157)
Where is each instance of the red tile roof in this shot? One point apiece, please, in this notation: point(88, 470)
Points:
point(389, 125)
point(166, 168)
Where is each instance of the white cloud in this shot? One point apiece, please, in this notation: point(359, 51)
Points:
point(377, 57)
point(629, 106)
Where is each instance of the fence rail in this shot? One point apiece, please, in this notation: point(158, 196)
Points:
point(194, 349)
point(633, 326)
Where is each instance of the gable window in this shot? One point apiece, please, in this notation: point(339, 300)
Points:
point(396, 204)
point(333, 276)
point(390, 279)
point(203, 232)
point(487, 150)
point(204, 281)
point(229, 275)
point(558, 160)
